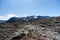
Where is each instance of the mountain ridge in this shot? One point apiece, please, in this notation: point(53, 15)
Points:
point(27, 19)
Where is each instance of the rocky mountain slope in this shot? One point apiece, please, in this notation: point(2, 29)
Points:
point(38, 29)
point(26, 19)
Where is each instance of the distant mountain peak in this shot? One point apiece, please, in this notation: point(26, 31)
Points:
point(28, 18)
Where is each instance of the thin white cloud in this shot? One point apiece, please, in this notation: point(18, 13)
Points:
point(6, 17)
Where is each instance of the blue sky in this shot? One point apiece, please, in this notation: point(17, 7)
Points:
point(10, 8)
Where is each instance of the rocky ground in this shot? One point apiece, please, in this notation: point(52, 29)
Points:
point(46, 29)
point(35, 32)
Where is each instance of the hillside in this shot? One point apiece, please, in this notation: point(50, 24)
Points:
point(31, 28)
